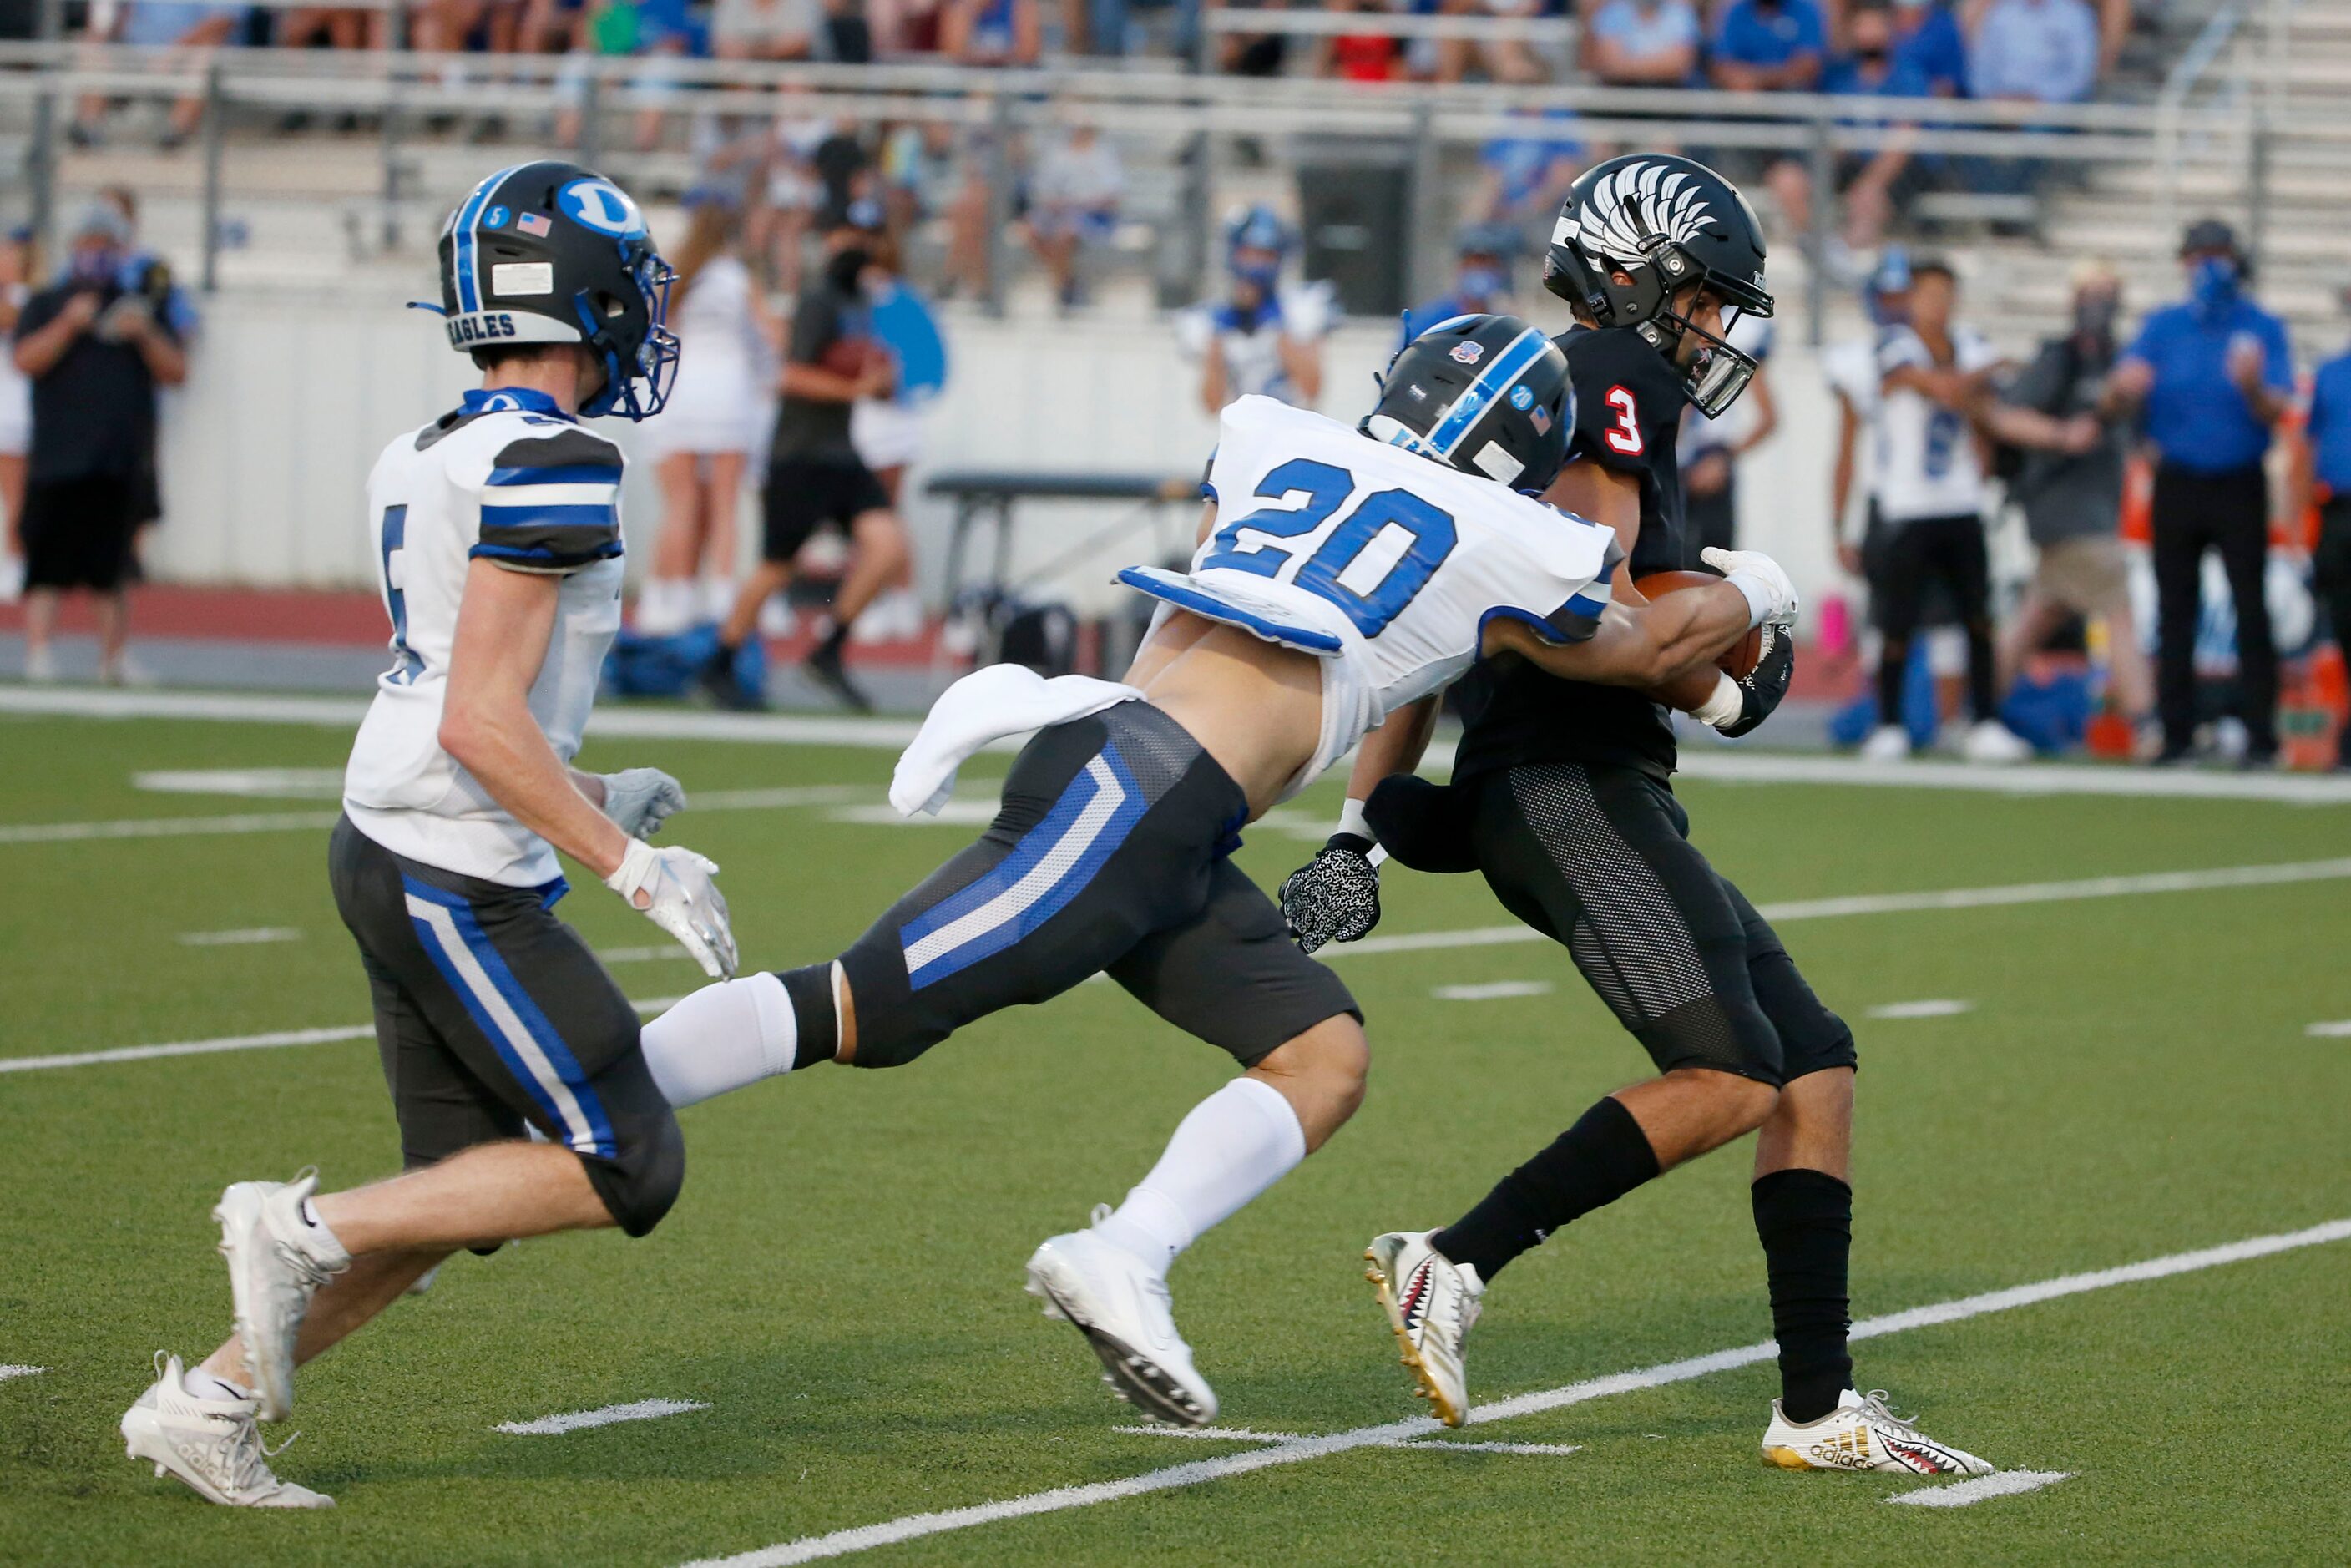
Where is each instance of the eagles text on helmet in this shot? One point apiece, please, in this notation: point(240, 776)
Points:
point(1631, 207)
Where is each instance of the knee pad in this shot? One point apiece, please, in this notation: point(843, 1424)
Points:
point(642, 1182)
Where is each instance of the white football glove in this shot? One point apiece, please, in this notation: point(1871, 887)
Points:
point(1770, 594)
point(672, 888)
point(640, 799)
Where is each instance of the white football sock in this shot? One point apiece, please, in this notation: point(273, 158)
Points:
point(1236, 1144)
point(722, 1038)
point(198, 1384)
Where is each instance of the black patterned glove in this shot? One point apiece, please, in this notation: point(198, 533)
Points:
point(1336, 896)
point(1761, 688)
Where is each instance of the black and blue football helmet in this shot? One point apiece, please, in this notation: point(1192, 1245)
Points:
point(552, 252)
point(1487, 394)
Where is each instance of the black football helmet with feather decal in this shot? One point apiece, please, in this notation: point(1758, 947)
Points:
point(1662, 223)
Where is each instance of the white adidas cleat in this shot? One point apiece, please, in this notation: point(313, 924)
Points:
point(213, 1446)
point(1990, 741)
point(1886, 743)
point(1862, 1433)
point(1125, 1311)
point(1432, 1304)
point(277, 1263)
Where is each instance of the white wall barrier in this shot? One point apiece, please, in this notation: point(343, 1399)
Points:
point(268, 447)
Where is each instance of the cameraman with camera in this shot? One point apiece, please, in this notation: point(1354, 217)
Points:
point(95, 353)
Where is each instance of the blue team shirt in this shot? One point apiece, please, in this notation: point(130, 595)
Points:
point(2194, 412)
point(1520, 162)
point(1936, 51)
point(1902, 79)
point(1420, 318)
point(2330, 423)
point(1752, 33)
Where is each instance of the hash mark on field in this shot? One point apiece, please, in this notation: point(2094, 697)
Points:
point(1933, 1008)
point(913, 1527)
point(2334, 1030)
point(572, 1421)
point(1275, 1439)
point(1214, 1434)
point(250, 936)
point(1491, 991)
point(9, 1371)
point(2006, 1483)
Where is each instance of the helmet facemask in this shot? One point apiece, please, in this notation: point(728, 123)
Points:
point(638, 388)
point(1712, 377)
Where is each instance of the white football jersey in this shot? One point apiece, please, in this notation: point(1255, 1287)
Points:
point(1924, 462)
point(508, 478)
point(1385, 564)
point(1251, 342)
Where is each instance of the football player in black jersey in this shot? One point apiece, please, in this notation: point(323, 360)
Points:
point(1560, 798)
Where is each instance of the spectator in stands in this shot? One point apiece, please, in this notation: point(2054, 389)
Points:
point(1481, 280)
point(186, 24)
point(1927, 39)
point(95, 354)
point(2038, 51)
point(1524, 175)
point(928, 171)
point(1775, 46)
point(1266, 338)
point(1073, 196)
point(2070, 485)
point(19, 265)
point(992, 32)
point(2214, 374)
point(1644, 42)
point(1510, 61)
point(702, 441)
point(2322, 478)
point(1359, 57)
point(764, 29)
point(340, 27)
point(1252, 53)
point(1873, 68)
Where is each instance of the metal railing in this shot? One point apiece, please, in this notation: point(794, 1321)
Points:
point(1190, 113)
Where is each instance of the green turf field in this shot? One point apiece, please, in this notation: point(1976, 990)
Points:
point(841, 1281)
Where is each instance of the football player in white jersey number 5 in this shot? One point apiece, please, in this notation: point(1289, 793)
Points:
point(1341, 574)
point(497, 528)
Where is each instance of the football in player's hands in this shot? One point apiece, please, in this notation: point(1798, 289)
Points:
point(1760, 688)
point(1738, 660)
point(1336, 896)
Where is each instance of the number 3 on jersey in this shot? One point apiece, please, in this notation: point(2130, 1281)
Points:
point(1624, 435)
point(1329, 572)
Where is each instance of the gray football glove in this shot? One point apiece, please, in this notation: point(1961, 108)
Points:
point(1336, 896)
point(672, 887)
point(640, 799)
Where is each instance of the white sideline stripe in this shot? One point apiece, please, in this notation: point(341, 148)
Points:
point(864, 1538)
point(290, 821)
point(894, 734)
point(1932, 1007)
point(642, 1410)
point(1486, 936)
point(2006, 1483)
point(2334, 1030)
point(1493, 990)
point(235, 1042)
point(8, 1372)
point(246, 937)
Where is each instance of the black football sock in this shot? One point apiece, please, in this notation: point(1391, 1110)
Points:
point(1600, 1159)
point(1893, 673)
point(1804, 1219)
point(815, 1010)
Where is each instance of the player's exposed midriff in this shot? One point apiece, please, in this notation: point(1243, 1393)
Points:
point(1254, 705)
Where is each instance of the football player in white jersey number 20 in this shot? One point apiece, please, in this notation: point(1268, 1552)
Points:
point(499, 554)
point(1342, 573)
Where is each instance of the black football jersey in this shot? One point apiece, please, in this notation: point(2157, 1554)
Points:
point(1628, 412)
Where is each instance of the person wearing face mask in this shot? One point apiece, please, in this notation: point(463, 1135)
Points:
point(815, 477)
point(95, 354)
point(2213, 374)
point(2071, 490)
point(2322, 478)
point(1481, 280)
point(1264, 338)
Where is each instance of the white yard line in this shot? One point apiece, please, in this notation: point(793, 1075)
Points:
point(283, 1037)
point(1553, 1449)
point(2336, 1029)
point(913, 1527)
point(1933, 1008)
point(1244, 1434)
point(1477, 936)
point(2006, 1483)
point(8, 1372)
point(1697, 761)
point(1493, 991)
point(642, 1410)
point(249, 936)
